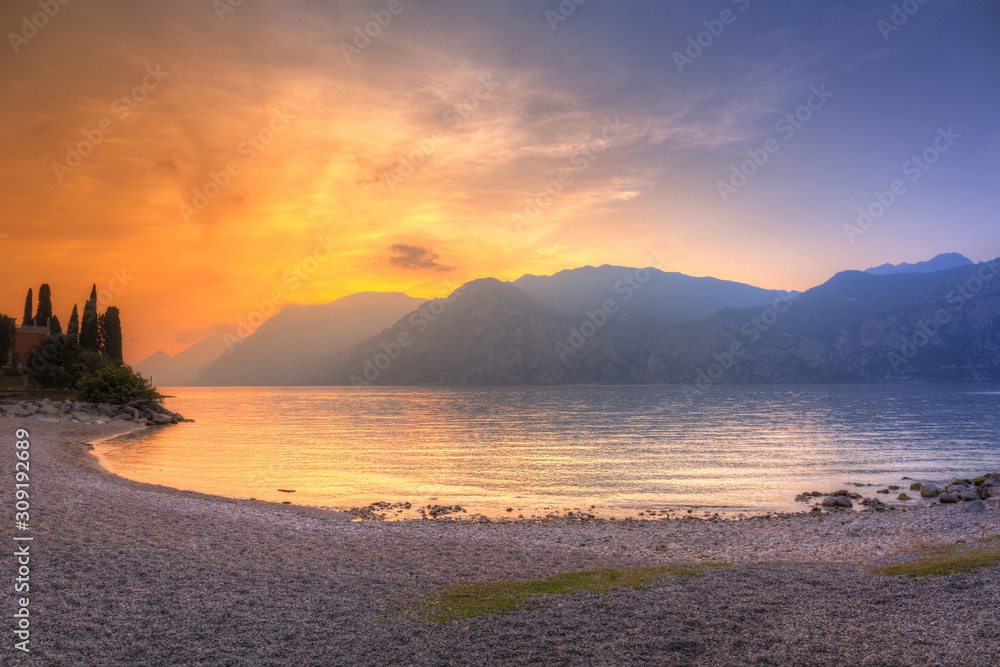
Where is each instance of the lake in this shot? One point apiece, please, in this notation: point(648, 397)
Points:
point(541, 449)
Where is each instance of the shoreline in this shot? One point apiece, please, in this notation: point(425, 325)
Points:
point(132, 573)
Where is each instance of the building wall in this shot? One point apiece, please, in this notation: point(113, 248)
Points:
point(26, 338)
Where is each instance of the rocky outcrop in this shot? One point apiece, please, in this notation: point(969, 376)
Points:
point(142, 412)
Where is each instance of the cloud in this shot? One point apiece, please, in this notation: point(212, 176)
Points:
point(415, 257)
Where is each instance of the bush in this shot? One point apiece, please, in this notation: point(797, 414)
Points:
point(116, 385)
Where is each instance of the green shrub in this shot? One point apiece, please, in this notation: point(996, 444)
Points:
point(116, 385)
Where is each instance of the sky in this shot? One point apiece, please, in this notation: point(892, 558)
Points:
point(204, 162)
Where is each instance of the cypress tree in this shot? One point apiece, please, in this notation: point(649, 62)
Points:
point(89, 337)
point(27, 319)
point(7, 327)
point(54, 326)
point(113, 334)
point(73, 328)
point(44, 311)
point(102, 334)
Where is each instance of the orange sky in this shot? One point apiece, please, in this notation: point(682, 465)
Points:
point(321, 202)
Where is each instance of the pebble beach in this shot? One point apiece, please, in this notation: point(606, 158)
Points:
point(125, 573)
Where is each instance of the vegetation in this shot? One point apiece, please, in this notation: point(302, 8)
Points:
point(73, 328)
point(7, 327)
point(89, 330)
point(44, 311)
point(952, 559)
point(116, 385)
point(464, 600)
point(27, 318)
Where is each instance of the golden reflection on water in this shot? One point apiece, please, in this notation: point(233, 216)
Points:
point(618, 448)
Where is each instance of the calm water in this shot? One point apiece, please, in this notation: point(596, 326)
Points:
point(618, 448)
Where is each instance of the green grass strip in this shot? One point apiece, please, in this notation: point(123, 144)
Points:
point(952, 559)
point(468, 599)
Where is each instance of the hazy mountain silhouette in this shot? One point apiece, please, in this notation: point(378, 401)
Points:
point(856, 327)
point(660, 298)
point(486, 333)
point(182, 369)
point(942, 262)
point(285, 349)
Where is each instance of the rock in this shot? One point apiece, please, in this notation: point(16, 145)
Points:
point(929, 491)
point(844, 501)
point(841, 492)
point(948, 498)
point(882, 491)
point(903, 496)
point(915, 486)
point(178, 416)
point(13, 410)
point(893, 487)
point(968, 495)
point(974, 507)
point(161, 419)
point(979, 480)
point(122, 417)
point(857, 527)
point(987, 492)
point(956, 488)
point(31, 408)
point(80, 416)
point(993, 503)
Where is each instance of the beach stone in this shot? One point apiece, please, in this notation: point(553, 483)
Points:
point(841, 492)
point(974, 507)
point(857, 527)
point(903, 496)
point(993, 503)
point(13, 410)
point(948, 498)
point(929, 491)
point(81, 416)
point(844, 501)
point(968, 495)
point(956, 488)
point(162, 419)
point(915, 486)
point(987, 492)
point(31, 408)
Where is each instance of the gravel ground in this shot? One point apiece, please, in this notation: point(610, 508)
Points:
point(132, 574)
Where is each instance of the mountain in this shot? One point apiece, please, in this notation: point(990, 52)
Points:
point(486, 333)
point(856, 327)
point(942, 262)
point(182, 369)
point(285, 349)
point(656, 298)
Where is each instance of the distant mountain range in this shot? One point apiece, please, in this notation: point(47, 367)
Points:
point(942, 262)
point(618, 325)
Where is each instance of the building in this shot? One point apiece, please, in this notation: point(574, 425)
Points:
point(26, 338)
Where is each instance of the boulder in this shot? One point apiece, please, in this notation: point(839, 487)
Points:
point(948, 498)
point(903, 496)
point(993, 503)
point(929, 491)
point(31, 408)
point(844, 501)
point(968, 495)
point(987, 492)
point(13, 410)
point(974, 507)
point(956, 488)
point(81, 416)
point(841, 492)
point(162, 419)
point(829, 501)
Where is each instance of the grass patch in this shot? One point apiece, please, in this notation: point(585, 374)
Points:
point(952, 559)
point(468, 599)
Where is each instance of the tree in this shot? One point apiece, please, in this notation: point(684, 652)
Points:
point(27, 319)
point(112, 338)
point(44, 311)
point(102, 334)
point(54, 326)
point(73, 328)
point(89, 336)
point(116, 385)
point(7, 328)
